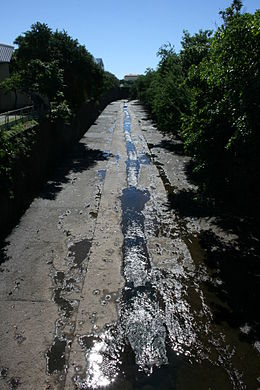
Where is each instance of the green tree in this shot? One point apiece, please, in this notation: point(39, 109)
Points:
point(235, 9)
point(142, 88)
point(52, 64)
point(166, 93)
point(110, 81)
point(12, 84)
point(194, 48)
point(83, 78)
point(44, 78)
point(222, 128)
point(163, 91)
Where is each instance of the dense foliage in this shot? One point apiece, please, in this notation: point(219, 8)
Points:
point(15, 144)
point(209, 93)
point(110, 81)
point(58, 74)
point(51, 67)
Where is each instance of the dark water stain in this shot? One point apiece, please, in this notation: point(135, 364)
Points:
point(86, 342)
point(59, 278)
point(14, 383)
point(144, 159)
point(65, 305)
point(19, 338)
point(102, 174)
point(56, 356)
point(69, 284)
point(3, 372)
point(133, 201)
point(93, 214)
point(106, 154)
point(117, 157)
point(98, 195)
point(80, 251)
point(64, 283)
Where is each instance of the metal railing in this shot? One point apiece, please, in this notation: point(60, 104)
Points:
point(10, 118)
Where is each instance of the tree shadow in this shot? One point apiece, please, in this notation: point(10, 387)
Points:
point(174, 146)
point(236, 265)
point(144, 110)
point(3, 256)
point(238, 269)
point(78, 160)
point(189, 203)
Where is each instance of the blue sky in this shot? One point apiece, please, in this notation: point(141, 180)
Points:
point(126, 34)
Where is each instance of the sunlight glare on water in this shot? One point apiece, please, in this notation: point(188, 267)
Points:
point(97, 377)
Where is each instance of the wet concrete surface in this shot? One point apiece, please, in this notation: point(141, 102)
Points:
point(119, 276)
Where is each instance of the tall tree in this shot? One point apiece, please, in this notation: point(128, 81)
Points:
point(222, 128)
point(56, 66)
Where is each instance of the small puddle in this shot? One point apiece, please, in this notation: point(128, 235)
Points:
point(56, 356)
point(65, 306)
point(79, 251)
point(102, 174)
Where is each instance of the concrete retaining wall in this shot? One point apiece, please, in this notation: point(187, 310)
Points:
point(7, 101)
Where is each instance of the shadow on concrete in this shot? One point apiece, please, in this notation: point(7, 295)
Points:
point(238, 267)
point(189, 203)
point(235, 264)
point(3, 255)
point(174, 146)
point(79, 159)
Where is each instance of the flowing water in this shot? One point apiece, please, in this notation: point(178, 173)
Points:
point(165, 336)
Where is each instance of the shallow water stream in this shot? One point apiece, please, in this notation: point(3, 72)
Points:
point(167, 336)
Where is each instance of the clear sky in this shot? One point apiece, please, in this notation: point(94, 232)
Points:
point(126, 34)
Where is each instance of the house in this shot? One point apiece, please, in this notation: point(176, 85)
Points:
point(9, 100)
point(6, 52)
point(131, 77)
point(100, 62)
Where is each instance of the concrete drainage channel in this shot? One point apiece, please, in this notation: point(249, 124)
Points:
point(123, 296)
point(164, 325)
